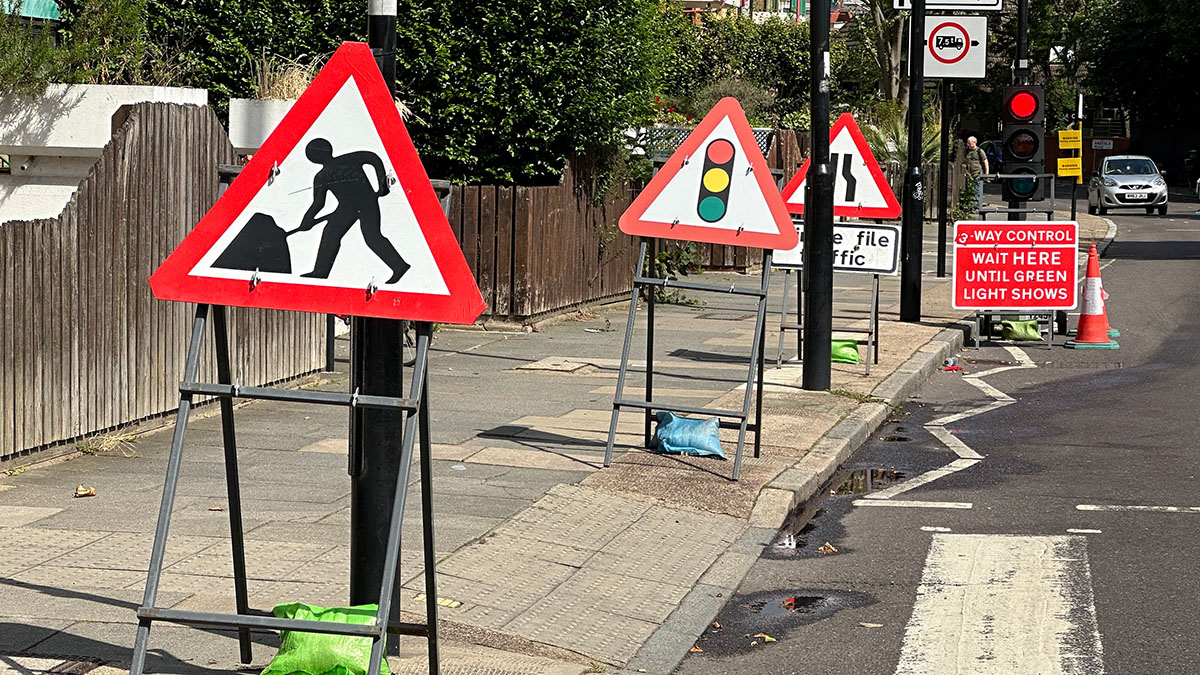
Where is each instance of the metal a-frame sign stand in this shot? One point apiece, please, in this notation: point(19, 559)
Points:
point(755, 184)
point(222, 262)
point(415, 410)
point(872, 330)
point(729, 419)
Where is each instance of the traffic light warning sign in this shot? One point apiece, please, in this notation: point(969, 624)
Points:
point(716, 189)
point(860, 189)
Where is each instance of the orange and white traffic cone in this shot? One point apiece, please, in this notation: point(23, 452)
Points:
point(1093, 330)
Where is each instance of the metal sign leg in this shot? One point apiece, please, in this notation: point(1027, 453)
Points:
point(224, 376)
point(762, 349)
point(783, 310)
point(633, 296)
point(650, 272)
point(174, 464)
point(431, 605)
point(873, 328)
point(755, 351)
point(391, 560)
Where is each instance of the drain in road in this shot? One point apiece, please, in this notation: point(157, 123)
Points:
point(814, 527)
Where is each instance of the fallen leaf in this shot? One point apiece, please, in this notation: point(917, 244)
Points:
point(215, 507)
point(827, 549)
point(717, 625)
point(765, 637)
point(83, 491)
point(867, 624)
point(695, 649)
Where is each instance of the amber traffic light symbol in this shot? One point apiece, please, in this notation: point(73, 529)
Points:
point(715, 181)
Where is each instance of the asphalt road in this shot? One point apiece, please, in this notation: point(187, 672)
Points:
point(1022, 581)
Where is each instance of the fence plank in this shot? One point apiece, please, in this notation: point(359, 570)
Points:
point(486, 275)
point(504, 246)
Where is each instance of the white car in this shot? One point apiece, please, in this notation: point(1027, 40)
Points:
point(1125, 182)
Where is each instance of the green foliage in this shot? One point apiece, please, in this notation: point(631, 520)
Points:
point(1060, 26)
point(886, 130)
point(766, 63)
point(217, 40)
point(1144, 55)
point(966, 206)
point(509, 91)
point(28, 59)
point(679, 259)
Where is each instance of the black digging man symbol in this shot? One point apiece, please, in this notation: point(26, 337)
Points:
point(262, 245)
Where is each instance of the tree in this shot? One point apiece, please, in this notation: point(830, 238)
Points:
point(507, 92)
point(1143, 55)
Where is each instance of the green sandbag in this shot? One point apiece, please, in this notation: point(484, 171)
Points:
point(844, 351)
point(1020, 330)
point(319, 654)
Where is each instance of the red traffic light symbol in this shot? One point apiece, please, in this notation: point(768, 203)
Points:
point(1023, 105)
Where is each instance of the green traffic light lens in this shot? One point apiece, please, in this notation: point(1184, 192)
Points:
point(712, 209)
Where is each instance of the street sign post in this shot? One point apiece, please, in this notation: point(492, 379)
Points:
point(1015, 265)
point(954, 5)
point(280, 238)
point(1070, 166)
point(715, 189)
point(1070, 139)
point(860, 189)
point(956, 46)
point(857, 247)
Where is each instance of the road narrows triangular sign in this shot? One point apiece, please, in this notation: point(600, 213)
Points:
point(334, 214)
point(860, 188)
point(716, 189)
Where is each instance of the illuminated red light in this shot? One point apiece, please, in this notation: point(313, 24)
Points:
point(1023, 105)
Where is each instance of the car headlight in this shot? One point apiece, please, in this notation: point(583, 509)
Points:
point(1159, 182)
point(1108, 182)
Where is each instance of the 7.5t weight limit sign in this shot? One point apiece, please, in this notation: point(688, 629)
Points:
point(1015, 265)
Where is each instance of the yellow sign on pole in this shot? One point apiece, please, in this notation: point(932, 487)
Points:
point(1070, 140)
point(1070, 166)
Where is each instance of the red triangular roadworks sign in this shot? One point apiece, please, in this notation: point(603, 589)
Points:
point(334, 214)
point(716, 188)
point(860, 188)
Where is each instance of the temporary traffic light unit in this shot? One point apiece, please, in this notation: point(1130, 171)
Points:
point(1024, 116)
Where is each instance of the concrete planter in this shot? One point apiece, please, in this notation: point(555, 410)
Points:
point(252, 120)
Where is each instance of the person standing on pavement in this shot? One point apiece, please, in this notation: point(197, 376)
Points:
point(977, 166)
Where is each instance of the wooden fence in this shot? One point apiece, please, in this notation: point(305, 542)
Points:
point(84, 347)
point(537, 250)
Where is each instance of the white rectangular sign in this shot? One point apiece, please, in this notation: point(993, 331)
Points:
point(1102, 144)
point(960, 5)
point(956, 46)
point(857, 247)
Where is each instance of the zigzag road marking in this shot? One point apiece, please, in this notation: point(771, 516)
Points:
point(967, 457)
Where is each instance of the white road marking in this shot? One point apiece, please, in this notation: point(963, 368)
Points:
point(1023, 361)
point(933, 528)
point(1076, 530)
point(953, 442)
point(1002, 604)
point(978, 410)
point(1150, 509)
point(927, 477)
point(903, 503)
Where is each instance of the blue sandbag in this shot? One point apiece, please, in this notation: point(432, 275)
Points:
point(677, 435)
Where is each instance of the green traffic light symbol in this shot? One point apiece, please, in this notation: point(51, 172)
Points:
point(715, 180)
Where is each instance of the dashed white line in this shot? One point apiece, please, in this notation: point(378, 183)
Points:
point(1146, 509)
point(1076, 530)
point(934, 528)
point(905, 503)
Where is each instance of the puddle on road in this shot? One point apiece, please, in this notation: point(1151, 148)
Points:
point(817, 520)
point(864, 481)
point(742, 623)
point(792, 604)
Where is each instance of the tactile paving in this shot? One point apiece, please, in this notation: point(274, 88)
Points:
point(581, 627)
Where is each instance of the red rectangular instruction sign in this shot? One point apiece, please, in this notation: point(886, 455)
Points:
point(1015, 265)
